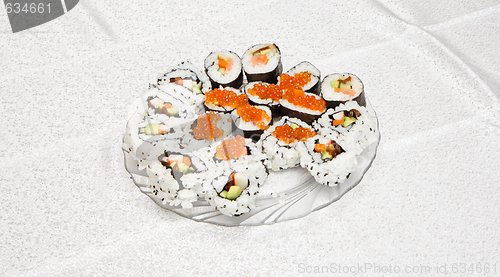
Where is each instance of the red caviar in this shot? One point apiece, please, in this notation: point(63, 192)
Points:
point(266, 91)
point(288, 134)
point(302, 99)
point(225, 98)
point(253, 114)
point(297, 81)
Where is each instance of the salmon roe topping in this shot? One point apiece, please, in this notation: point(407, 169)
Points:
point(253, 114)
point(225, 98)
point(297, 81)
point(300, 98)
point(288, 134)
point(266, 91)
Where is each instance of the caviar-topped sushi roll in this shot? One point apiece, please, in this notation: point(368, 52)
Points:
point(339, 88)
point(252, 120)
point(278, 142)
point(262, 62)
point(224, 69)
point(260, 93)
point(224, 99)
point(307, 75)
point(303, 105)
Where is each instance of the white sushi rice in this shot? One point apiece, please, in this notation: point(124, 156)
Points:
point(332, 172)
point(212, 67)
point(328, 93)
point(280, 155)
point(357, 136)
point(274, 59)
point(306, 66)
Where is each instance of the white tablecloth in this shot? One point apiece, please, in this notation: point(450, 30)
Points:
point(431, 198)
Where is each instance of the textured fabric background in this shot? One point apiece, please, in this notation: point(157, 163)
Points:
point(432, 196)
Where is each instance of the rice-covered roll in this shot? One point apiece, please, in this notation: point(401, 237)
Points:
point(169, 102)
point(177, 179)
point(224, 69)
point(307, 76)
point(279, 141)
point(339, 88)
point(354, 124)
point(303, 105)
point(260, 93)
point(224, 99)
point(326, 159)
point(207, 128)
point(262, 62)
point(252, 120)
point(187, 75)
point(234, 191)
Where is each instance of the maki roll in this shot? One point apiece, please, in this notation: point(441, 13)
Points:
point(187, 75)
point(252, 120)
point(224, 99)
point(224, 69)
point(307, 76)
point(303, 105)
point(177, 179)
point(327, 160)
point(354, 124)
point(260, 93)
point(233, 192)
point(339, 88)
point(278, 142)
point(262, 62)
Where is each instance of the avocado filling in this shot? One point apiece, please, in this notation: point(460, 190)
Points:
point(162, 107)
point(237, 183)
point(154, 129)
point(345, 118)
point(328, 150)
point(178, 163)
point(343, 86)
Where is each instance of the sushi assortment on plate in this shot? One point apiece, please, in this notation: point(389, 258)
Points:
point(244, 143)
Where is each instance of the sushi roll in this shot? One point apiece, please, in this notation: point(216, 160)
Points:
point(354, 124)
point(177, 179)
point(233, 192)
point(252, 120)
point(303, 105)
point(187, 75)
point(224, 69)
point(307, 76)
point(262, 62)
point(339, 88)
point(260, 93)
point(207, 128)
point(224, 99)
point(326, 159)
point(279, 141)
